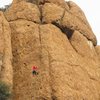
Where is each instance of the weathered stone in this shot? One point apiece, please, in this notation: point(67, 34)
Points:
point(23, 10)
point(74, 23)
point(6, 73)
point(26, 53)
point(98, 51)
point(76, 11)
point(58, 62)
point(67, 20)
point(51, 13)
point(83, 46)
point(59, 2)
point(60, 43)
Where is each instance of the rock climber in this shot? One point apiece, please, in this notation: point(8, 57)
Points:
point(34, 70)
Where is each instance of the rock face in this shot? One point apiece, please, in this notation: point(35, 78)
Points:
point(6, 70)
point(98, 51)
point(55, 36)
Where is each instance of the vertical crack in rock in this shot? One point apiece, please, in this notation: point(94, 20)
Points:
point(40, 9)
point(1, 65)
point(53, 97)
point(41, 48)
point(39, 5)
point(40, 42)
point(74, 48)
point(62, 16)
point(1, 55)
point(6, 74)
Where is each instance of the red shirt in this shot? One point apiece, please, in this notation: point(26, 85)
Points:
point(34, 68)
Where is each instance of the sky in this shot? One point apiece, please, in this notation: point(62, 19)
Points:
point(91, 9)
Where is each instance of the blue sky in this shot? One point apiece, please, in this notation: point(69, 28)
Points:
point(91, 9)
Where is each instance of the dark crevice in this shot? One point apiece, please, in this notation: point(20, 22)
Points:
point(33, 1)
point(38, 2)
point(41, 17)
point(43, 2)
point(28, 25)
point(74, 48)
point(65, 30)
point(54, 98)
point(40, 36)
point(69, 32)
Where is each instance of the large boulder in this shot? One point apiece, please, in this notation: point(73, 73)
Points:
point(64, 69)
point(51, 36)
point(76, 11)
point(23, 10)
point(55, 14)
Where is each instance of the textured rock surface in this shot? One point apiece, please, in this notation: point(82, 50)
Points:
point(98, 51)
point(66, 19)
point(58, 2)
point(60, 42)
point(23, 10)
point(76, 11)
point(6, 73)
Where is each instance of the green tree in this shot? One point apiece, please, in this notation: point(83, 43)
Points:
point(5, 93)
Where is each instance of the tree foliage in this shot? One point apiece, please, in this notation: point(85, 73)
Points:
point(5, 93)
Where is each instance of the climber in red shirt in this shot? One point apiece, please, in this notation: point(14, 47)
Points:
point(34, 70)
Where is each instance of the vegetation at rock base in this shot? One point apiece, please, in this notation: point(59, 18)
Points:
point(5, 93)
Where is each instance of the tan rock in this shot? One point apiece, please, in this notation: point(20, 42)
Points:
point(48, 13)
point(59, 43)
point(77, 11)
point(26, 53)
point(59, 2)
point(23, 10)
point(66, 20)
point(63, 72)
point(74, 23)
point(6, 73)
point(82, 46)
point(98, 51)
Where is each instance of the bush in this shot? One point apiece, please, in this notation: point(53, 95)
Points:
point(4, 91)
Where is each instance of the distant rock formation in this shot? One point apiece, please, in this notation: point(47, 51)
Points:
point(54, 36)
